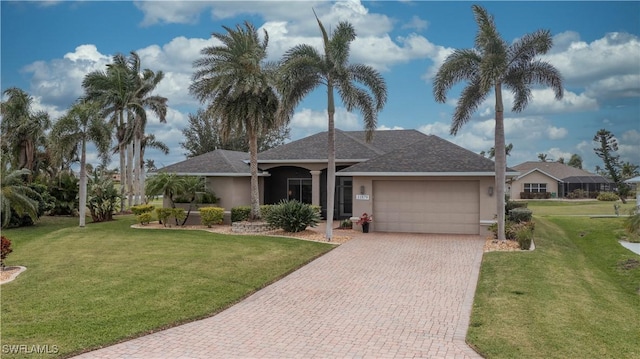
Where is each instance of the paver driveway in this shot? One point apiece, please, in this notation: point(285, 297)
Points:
point(378, 295)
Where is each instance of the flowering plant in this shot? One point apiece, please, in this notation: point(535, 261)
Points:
point(365, 218)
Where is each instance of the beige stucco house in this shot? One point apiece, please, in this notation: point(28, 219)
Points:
point(408, 181)
point(554, 180)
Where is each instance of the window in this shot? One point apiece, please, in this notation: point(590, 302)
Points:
point(535, 187)
point(299, 189)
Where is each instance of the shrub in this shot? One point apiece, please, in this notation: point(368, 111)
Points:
point(102, 198)
point(179, 214)
point(632, 223)
point(608, 196)
point(524, 236)
point(211, 215)
point(535, 195)
point(240, 213)
point(511, 229)
point(64, 188)
point(265, 209)
point(143, 208)
point(509, 205)
point(520, 215)
point(5, 249)
point(144, 218)
point(164, 214)
point(292, 216)
point(346, 224)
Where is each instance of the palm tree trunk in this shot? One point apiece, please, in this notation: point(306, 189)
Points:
point(501, 161)
point(83, 184)
point(253, 167)
point(136, 176)
point(123, 175)
point(143, 178)
point(129, 173)
point(331, 162)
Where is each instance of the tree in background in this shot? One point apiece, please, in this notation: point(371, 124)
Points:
point(575, 161)
point(542, 157)
point(204, 134)
point(487, 67)
point(359, 86)
point(23, 130)
point(608, 145)
point(240, 89)
point(629, 170)
point(15, 195)
point(492, 151)
point(560, 160)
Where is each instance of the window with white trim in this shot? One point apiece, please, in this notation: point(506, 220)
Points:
point(535, 187)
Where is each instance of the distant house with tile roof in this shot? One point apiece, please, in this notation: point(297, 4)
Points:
point(555, 179)
point(410, 181)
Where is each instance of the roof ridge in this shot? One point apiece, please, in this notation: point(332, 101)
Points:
point(364, 143)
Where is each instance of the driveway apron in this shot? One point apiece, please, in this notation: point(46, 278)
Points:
point(376, 296)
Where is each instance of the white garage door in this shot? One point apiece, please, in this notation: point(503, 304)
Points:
point(427, 206)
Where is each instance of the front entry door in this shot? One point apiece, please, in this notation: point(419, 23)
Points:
point(345, 197)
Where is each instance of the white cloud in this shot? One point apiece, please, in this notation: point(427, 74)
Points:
point(386, 128)
point(416, 23)
point(555, 153)
point(317, 120)
point(556, 133)
point(629, 147)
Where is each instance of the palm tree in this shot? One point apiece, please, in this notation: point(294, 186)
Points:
point(240, 88)
point(360, 87)
point(146, 83)
point(490, 65)
point(83, 123)
point(23, 130)
point(628, 170)
point(542, 157)
point(507, 150)
point(114, 90)
point(14, 195)
point(169, 184)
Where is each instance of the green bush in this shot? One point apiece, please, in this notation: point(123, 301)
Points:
point(102, 198)
point(211, 215)
point(520, 215)
point(535, 195)
point(163, 214)
point(179, 214)
point(240, 213)
point(509, 205)
point(608, 196)
point(144, 218)
point(292, 216)
point(143, 208)
point(346, 224)
point(511, 229)
point(524, 236)
point(64, 188)
point(265, 209)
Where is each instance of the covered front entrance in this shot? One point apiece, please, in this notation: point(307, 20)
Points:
point(451, 207)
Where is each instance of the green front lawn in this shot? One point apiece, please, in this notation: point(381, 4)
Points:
point(91, 287)
point(578, 208)
point(576, 296)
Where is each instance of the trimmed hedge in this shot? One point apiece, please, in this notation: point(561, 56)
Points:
point(535, 195)
point(143, 208)
point(241, 213)
point(144, 218)
point(211, 215)
point(608, 196)
point(518, 215)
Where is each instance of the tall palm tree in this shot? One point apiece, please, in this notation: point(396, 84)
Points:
point(114, 90)
point(147, 81)
point(542, 157)
point(628, 170)
point(360, 87)
point(83, 123)
point(240, 88)
point(14, 195)
point(22, 128)
point(490, 65)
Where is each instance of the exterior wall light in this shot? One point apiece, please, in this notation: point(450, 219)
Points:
point(361, 189)
point(490, 191)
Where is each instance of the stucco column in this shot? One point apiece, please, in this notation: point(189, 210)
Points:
point(315, 187)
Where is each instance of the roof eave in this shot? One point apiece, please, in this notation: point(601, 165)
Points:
point(423, 174)
point(215, 174)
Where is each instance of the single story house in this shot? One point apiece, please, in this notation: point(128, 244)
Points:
point(555, 179)
point(408, 181)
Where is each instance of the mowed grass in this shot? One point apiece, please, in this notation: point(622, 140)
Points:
point(543, 208)
point(91, 287)
point(576, 296)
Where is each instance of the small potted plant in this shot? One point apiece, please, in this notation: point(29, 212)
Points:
point(364, 221)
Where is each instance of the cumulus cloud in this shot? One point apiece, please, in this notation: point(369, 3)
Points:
point(416, 23)
point(629, 146)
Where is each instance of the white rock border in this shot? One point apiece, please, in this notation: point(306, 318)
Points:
point(14, 275)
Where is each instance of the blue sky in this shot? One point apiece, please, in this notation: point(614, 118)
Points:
point(48, 47)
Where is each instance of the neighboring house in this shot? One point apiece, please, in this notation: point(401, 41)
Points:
point(409, 181)
point(555, 179)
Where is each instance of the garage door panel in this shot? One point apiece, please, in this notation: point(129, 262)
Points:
point(426, 206)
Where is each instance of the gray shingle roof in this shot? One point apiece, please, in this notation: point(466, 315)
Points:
point(218, 161)
point(431, 155)
point(560, 171)
point(349, 145)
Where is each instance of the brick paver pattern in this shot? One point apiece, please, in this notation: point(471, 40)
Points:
point(376, 296)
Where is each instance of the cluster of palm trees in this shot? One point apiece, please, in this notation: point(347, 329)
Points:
point(114, 105)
